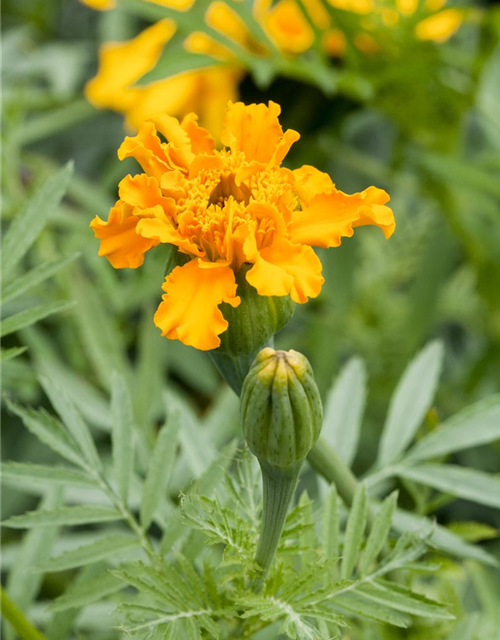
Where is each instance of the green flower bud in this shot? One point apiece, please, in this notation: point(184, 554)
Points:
point(281, 408)
point(254, 321)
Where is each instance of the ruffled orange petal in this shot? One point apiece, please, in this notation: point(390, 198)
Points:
point(121, 64)
point(310, 182)
point(147, 148)
point(190, 310)
point(255, 130)
point(161, 231)
point(331, 216)
point(285, 268)
point(120, 243)
point(143, 193)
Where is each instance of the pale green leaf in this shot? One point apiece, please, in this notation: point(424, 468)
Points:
point(13, 352)
point(36, 545)
point(473, 531)
point(95, 551)
point(86, 592)
point(355, 528)
point(471, 427)
point(330, 530)
point(441, 537)
point(35, 277)
point(29, 222)
point(354, 603)
point(410, 402)
point(72, 420)
point(28, 317)
point(344, 410)
point(379, 531)
point(62, 516)
point(46, 475)
point(122, 434)
point(397, 597)
point(461, 482)
point(159, 471)
point(49, 431)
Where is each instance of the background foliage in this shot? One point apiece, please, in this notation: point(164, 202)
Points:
point(418, 119)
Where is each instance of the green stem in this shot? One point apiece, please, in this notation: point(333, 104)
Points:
point(23, 627)
point(325, 461)
point(279, 486)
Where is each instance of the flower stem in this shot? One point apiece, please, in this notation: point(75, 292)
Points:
point(279, 486)
point(325, 461)
point(23, 627)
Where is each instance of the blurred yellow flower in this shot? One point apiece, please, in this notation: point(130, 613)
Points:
point(178, 5)
point(224, 209)
point(122, 64)
point(440, 26)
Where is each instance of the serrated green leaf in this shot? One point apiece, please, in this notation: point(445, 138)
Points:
point(72, 420)
point(471, 427)
point(330, 531)
point(379, 531)
point(458, 481)
point(88, 591)
point(35, 277)
point(36, 545)
point(344, 410)
point(9, 354)
point(49, 431)
point(47, 475)
point(401, 599)
point(122, 434)
point(159, 471)
point(355, 529)
point(441, 537)
point(28, 317)
point(410, 402)
point(354, 603)
point(62, 516)
point(95, 551)
point(29, 222)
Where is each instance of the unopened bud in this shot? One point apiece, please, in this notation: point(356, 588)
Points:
point(281, 408)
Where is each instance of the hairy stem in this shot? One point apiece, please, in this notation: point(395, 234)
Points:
point(279, 486)
point(21, 625)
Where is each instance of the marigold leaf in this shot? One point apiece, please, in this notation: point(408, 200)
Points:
point(344, 410)
point(10, 354)
point(29, 222)
point(35, 276)
point(160, 470)
point(82, 593)
point(72, 419)
point(89, 553)
point(49, 475)
point(62, 516)
point(471, 427)
point(122, 434)
point(355, 528)
point(28, 317)
point(378, 532)
point(461, 482)
point(330, 530)
point(410, 402)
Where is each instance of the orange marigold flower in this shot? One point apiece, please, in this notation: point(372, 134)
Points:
point(225, 209)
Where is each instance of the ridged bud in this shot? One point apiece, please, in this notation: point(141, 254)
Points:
point(281, 408)
point(254, 321)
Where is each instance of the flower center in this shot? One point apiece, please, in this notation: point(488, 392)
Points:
point(227, 187)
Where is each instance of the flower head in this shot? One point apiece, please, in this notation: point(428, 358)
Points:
point(227, 208)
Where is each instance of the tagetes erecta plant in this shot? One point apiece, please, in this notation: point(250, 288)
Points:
point(227, 208)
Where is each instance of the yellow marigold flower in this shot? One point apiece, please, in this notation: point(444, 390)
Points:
point(286, 25)
point(355, 6)
point(104, 5)
point(122, 64)
point(440, 26)
point(228, 208)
